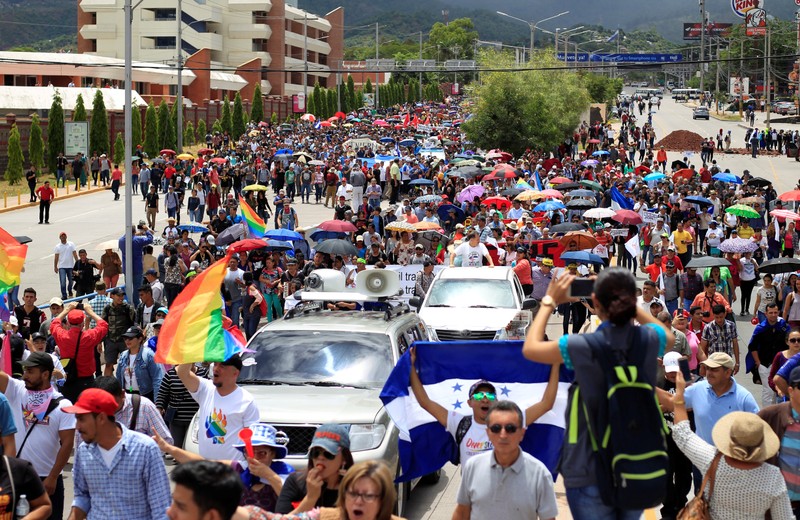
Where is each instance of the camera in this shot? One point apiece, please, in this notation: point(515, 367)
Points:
point(79, 306)
point(706, 314)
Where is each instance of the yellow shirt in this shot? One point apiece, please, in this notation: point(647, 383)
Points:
point(745, 232)
point(680, 237)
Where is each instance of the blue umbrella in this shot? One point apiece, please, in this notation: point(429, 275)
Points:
point(386, 139)
point(444, 210)
point(702, 201)
point(549, 205)
point(581, 257)
point(421, 182)
point(193, 227)
point(317, 236)
point(427, 199)
point(590, 162)
point(284, 234)
point(727, 177)
point(654, 176)
point(601, 152)
point(279, 245)
point(408, 142)
point(284, 151)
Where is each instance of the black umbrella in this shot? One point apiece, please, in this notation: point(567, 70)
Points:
point(759, 182)
point(580, 204)
point(22, 239)
point(567, 186)
point(511, 192)
point(707, 261)
point(676, 165)
point(466, 172)
point(566, 227)
point(230, 235)
point(780, 265)
point(336, 246)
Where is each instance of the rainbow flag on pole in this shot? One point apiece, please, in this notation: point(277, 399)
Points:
point(195, 329)
point(12, 258)
point(255, 224)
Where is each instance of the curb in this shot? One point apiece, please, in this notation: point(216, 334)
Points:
point(60, 197)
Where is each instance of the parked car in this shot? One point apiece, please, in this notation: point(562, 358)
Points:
point(700, 113)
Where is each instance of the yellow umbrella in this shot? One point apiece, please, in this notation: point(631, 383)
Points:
point(423, 226)
point(186, 157)
point(255, 187)
point(347, 125)
point(254, 133)
point(530, 195)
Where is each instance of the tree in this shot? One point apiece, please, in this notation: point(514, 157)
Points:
point(79, 114)
point(217, 127)
point(151, 133)
point(15, 158)
point(98, 127)
point(274, 119)
point(351, 95)
point(188, 134)
point(163, 127)
point(36, 144)
point(202, 130)
point(172, 131)
point(331, 102)
point(237, 119)
point(136, 127)
point(368, 86)
point(227, 122)
point(533, 108)
point(119, 149)
point(257, 110)
point(55, 132)
point(456, 40)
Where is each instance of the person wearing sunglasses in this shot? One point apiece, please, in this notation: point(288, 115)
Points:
point(469, 431)
point(488, 490)
point(318, 485)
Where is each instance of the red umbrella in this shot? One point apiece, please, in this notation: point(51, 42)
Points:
point(642, 169)
point(325, 124)
point(627, 217)
point(594, 141)
point(248, 244)
point(549, 163)
point(559, 180)
point(502, 202)
point(686, 173)
point(338, 226)
point(340, 115)
point(263, 124)
point(166, 151)
point(793, 195)
point(333, 119)
point(218, 160)
point(203, 151)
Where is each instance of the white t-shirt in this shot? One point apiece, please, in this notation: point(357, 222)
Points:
point(109, 454)
point(221, 418)
point(64, 252)
point(58, 367)
point(43, 443)
point(471, 256)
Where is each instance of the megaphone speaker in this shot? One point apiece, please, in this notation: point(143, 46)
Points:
point(378, 282)
point(325, 280)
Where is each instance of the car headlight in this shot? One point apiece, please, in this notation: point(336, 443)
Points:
point(366, 436)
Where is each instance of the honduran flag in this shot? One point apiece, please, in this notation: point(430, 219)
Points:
point(447, 370)
point(619, 201)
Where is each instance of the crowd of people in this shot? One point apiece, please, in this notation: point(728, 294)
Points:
point(404, 191)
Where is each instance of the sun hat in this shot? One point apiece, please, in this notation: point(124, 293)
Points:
point(267, 435)
point(719, 359)
point(746, 437)
point(547, 261)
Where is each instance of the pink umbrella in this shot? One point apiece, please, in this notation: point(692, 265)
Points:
point(338, 226)
point(470, 192)
point(308, 117)
point(553, 193)
point(627, 217)
point(783, 214)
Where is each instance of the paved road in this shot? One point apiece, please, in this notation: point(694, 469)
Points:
point(91, 219)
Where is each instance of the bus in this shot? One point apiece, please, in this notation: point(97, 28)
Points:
point(684, 94)
point(647, 93)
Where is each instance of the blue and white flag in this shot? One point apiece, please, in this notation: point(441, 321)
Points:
point(619, 201)
point(613, 36)
point(318, 125)
point(447, 370)
point(538, 180)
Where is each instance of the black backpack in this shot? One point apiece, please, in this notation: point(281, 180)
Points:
point(461, 431)
point(628, 432)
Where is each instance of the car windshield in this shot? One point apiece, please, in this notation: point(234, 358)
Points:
point(472, 293)
point(315, 357)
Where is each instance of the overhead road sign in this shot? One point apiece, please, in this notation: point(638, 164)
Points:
point(381, 65)
point(459, 64)
point(621, 58)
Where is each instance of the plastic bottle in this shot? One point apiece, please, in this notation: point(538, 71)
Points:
point(23, 507)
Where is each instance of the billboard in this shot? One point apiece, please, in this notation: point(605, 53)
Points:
point(76, 138)
point(739, 85)
point(691, 31)
point(299, 103)
point(755, 17)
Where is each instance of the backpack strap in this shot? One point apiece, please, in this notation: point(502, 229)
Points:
point(11, 480)
point(52, 405)
point(461, 431)
point(136, 401)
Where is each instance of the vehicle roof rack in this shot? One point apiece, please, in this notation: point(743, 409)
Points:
point(303, 308)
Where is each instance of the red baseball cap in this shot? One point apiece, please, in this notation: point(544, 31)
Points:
point(94, 400)
point(75, 317)
point(681, 313)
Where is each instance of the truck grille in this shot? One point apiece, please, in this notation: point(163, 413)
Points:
point(457, 335)
point(300, 437)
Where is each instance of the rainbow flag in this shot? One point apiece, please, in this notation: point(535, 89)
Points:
point(12, 258)
point(255, 224)
point(195, 329)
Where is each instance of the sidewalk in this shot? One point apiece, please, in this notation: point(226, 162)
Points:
point(11, 203)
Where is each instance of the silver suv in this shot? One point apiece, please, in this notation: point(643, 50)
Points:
point(317, 366)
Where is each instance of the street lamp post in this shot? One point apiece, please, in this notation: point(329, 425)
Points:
point(566, 43)
point(128, 149)
point(532, 25)
point(566, 40)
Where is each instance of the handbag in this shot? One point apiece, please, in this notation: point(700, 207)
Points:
point(697, 508)
point(71, 370)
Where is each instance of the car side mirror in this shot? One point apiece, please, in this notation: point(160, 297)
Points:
point(415, 302)
point(530, 304)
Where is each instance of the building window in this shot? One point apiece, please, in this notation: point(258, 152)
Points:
point(259, 45)
point(260, 17)
point(164, 14)
point(164, 42)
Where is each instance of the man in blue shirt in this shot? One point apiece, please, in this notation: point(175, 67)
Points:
point(141, 237)
point(782, 376)
point(7, 428)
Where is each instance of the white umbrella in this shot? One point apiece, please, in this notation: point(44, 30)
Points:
point(108, 244)
point(599, 213)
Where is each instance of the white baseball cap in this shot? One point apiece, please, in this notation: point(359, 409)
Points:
point(671, 360)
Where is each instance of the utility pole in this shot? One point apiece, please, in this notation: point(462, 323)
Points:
point(767, 81)
point(702, 44)
point(128, 154)
point(377, 67)
point(179, 97)
point(716, 87)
